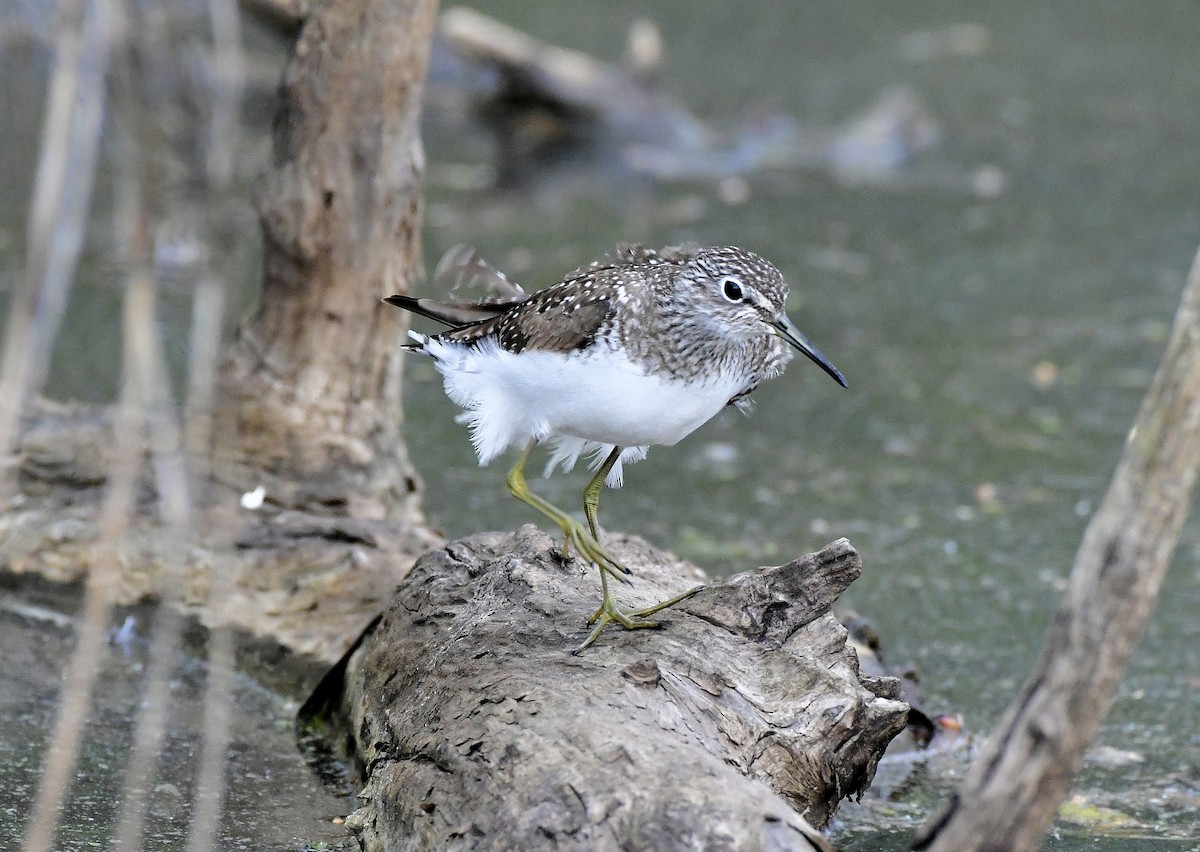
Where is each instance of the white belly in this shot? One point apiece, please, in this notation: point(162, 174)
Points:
point(607, 400)
point(618, 403)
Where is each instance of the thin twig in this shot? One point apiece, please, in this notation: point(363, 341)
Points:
point(58, 211)
point(91, 642)
point(147, 364)
point(170, 479)
point(66, 166)
point(138, 165)
point(207, 311)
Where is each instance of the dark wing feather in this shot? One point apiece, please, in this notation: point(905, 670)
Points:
point(451, 314)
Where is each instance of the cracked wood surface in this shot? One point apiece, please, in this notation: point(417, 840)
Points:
point(738, 724)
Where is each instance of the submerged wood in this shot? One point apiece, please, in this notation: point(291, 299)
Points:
point(541, 99)
point(743, 722)
point(303, 581)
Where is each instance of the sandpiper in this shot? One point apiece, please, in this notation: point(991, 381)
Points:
point(639, 348)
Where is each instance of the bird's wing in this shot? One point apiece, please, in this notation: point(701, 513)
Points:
point(462, 270)
point(546, 322)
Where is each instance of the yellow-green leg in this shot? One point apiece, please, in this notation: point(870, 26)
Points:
point(573, 531)
point(608, 610)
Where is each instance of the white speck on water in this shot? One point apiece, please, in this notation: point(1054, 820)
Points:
point(900, 447)
point(254, 499)
point(988, 181)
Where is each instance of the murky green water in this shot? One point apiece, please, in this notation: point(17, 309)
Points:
point(996, 348)
point(272, 800)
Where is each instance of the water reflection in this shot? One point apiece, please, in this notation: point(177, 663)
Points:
point(272, 800)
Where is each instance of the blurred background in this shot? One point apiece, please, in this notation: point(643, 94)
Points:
point(985, 213)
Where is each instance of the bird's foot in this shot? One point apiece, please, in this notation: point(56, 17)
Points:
point(586, 545)
point(636, 620)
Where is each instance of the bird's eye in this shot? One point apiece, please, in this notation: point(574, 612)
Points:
point(731, 289)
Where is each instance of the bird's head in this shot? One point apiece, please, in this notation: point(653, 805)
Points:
point(746, 296)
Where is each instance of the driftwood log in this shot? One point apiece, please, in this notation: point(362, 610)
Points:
point(741, 724)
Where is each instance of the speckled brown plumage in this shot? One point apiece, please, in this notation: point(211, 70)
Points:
point(562, 318)
point(642, 300)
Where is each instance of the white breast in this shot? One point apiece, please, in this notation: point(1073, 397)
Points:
point(602, 398)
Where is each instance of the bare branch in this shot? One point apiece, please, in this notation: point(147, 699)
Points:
point(1014, 788)
point(58, 212)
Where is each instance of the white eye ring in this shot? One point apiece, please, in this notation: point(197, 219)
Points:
point(731, 289)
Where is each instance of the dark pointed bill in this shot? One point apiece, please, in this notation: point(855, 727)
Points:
point(786, 329)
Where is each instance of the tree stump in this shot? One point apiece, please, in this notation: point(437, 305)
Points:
point(475, 726)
